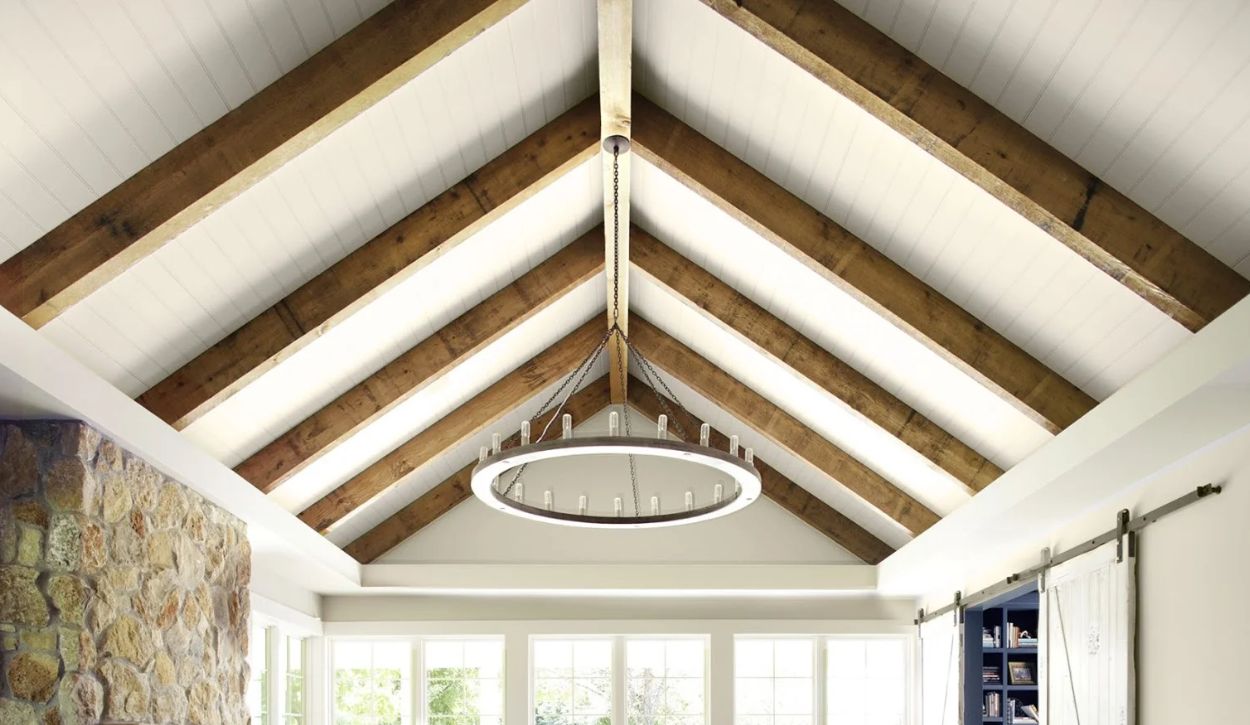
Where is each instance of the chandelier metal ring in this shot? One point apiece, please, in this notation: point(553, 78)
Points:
point(744, 475)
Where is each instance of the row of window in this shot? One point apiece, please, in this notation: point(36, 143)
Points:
point(277, 661)
point(581, 681)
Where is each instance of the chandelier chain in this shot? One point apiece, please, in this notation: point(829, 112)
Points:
point(578, 375)
point(648, 371)
point(616, 236)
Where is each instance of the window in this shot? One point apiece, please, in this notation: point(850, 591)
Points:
point(774, 681)
point(664, 681)
point(293, 700)
point(464, 682)
point(258, 663)
point(372, 683)
point(867, 681)
point(573, 682)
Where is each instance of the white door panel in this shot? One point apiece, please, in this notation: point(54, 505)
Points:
point(1088, 611)
point(940, 685)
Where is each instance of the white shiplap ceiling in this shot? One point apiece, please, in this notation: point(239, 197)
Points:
point(1152, 96)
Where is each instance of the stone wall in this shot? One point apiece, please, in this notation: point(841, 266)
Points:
point(123, 594)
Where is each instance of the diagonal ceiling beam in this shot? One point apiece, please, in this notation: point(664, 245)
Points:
point(857, 268)
point(425, 362)
point(969, 135)
point(385, 261)
point(734, 312)
point(616, 32)
point(781, 490)
point(778, 426)
point(443, 497)
point(470, 419)
point(239, 149)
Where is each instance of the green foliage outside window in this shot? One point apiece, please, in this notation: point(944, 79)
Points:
point(368, 697)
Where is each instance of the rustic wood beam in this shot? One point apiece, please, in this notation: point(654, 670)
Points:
point(616, 32)
point(366, 273)
point(734, 312)
point(781, 490)
point(428, 360)
point(470, 419)
point(969, 135)
point(242, 147)
point(446, 495)
point(857, 268)
point(779, 426)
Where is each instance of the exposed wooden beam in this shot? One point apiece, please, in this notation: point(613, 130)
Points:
point(616, 32)
point(781, 490)
point(734, 312)
point(969, 135)
point(779, 426)
point(456, 488)
point(425, 362)
point(470, 419)
point(857, 268)
point(366, 273)
point(204, 172)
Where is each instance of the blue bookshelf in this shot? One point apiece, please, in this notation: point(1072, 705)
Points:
point(987, 699)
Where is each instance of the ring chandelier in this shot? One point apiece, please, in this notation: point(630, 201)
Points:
point(498, 477)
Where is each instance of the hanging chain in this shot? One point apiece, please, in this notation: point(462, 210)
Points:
point(648, 371)
point(574, 379)
point(616, 237)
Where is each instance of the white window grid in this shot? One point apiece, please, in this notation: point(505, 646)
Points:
point(813, 678)
point(415, 692)
point(620, 673)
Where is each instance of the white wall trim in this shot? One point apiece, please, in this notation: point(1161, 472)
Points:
point(505, 628)
point(291, 620)
point(615, 579)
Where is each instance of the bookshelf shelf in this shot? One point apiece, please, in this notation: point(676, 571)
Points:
point(992, 645)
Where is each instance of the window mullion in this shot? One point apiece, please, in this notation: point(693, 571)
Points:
point(618, 681)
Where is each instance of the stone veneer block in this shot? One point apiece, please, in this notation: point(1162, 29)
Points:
point(123, 594)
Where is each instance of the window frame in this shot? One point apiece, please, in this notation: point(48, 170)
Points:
point(620, 669)
point(419, 694)
point(910, 676)
point(819, 662)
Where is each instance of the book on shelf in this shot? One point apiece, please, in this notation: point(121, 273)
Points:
point(992, 638)
point(1019, 713)
point(1017, 637)
point(993, 705)
point(991, 675)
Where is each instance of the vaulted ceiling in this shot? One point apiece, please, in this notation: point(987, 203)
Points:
point(897, 246)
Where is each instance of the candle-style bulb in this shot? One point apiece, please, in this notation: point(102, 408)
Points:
point(525, 432)
point(733, 445)
point(549, 500)
point(581, 504)
point(567, 422)
point(718, 492)
point(661, 425)
point(519, 491)
point(617, 506)
point(690, 500)
point(705, 433)
point(614, 423)
point(655, 505)
point(482, 453)
point(496, 443)
point(750, 456)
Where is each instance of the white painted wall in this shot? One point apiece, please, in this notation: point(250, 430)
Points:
point(1193, 631)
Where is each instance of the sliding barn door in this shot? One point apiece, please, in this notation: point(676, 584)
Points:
point(940, 683)
point(1088, 612)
